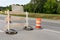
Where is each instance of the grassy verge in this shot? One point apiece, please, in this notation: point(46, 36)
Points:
point(40, 15)
point(47, 16)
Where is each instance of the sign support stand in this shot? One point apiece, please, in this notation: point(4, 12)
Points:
point(8, 19)
point(27, 27)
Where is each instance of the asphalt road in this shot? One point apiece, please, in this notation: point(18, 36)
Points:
point(48, 24)
point(31, 35)
point(50, 31)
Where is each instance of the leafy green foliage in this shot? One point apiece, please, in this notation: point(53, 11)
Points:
point(50, 6)
point(58, 9)
point(43, 6)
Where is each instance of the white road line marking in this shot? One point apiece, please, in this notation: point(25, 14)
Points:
point(51, 30)
point(1, 31)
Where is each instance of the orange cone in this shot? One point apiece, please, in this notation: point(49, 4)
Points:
point(38, 23)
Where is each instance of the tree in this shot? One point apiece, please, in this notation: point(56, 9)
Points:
point(50, 6)
point(58, 8)
point(28, 8)
point(35, 6)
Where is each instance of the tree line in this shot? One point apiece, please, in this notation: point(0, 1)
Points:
point(6, 8)
point(43, 6)
point(40, 6)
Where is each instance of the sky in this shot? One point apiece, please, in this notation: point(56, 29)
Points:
point(9, 2)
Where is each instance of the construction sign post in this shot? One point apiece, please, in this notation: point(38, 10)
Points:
point(27, 27)
point(8, 19)
point(27, 19)
point(9, 31)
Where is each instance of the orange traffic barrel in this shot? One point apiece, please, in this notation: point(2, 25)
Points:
point(38, 23)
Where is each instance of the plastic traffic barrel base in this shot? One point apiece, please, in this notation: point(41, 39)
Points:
point(38, 27)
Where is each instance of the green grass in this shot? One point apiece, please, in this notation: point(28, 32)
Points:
point(40, 15)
